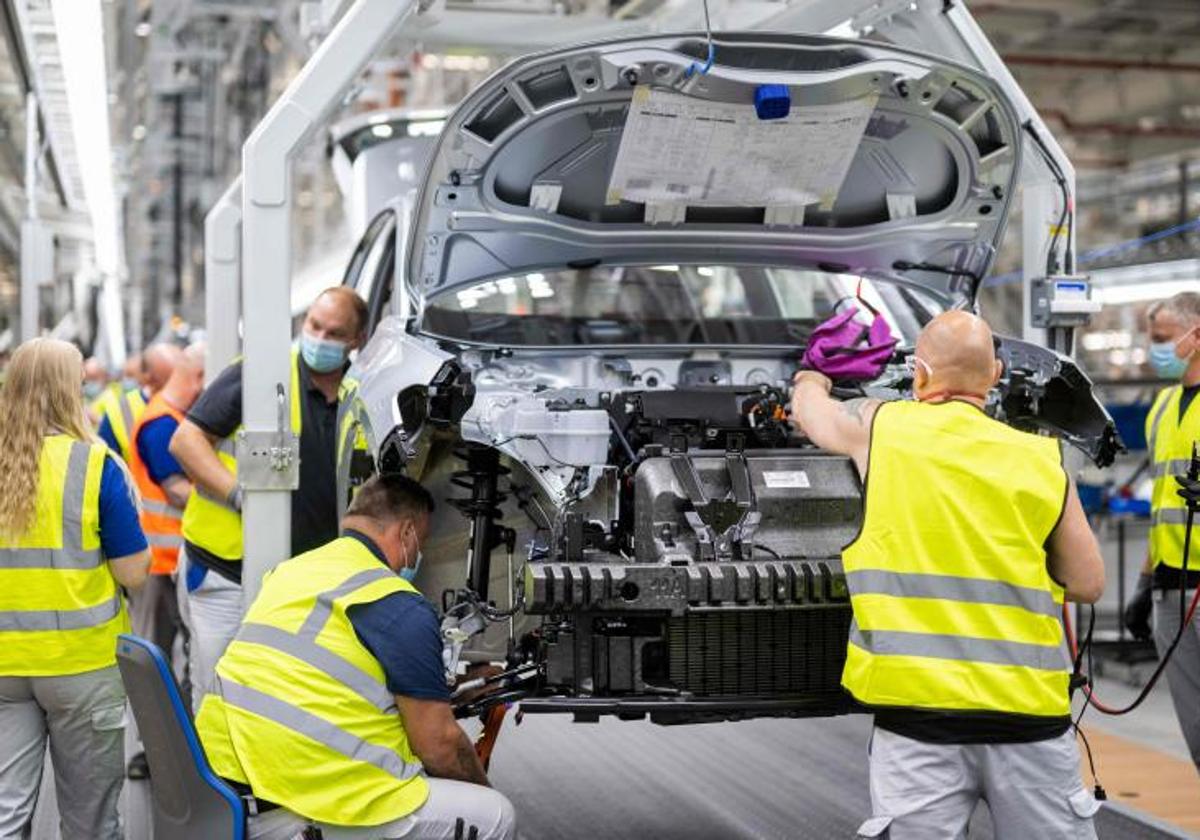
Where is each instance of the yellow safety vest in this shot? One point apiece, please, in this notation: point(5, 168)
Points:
point(301, 711)
point(123, 409)
point(1169, 441)
point(954, 608)
point(60, 609)
point(211, 523)
point(352, 427)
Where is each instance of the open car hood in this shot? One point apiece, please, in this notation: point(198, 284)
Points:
point(629, 152)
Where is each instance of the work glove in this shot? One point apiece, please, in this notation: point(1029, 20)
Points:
point(1137, 610)
point(1189, 490)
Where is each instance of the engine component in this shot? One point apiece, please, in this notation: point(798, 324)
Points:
point(540, 431)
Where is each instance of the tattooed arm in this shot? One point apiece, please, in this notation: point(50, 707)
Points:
point(841, 427)
point(435, 736)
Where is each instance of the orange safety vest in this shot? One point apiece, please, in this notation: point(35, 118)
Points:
point(161, 520)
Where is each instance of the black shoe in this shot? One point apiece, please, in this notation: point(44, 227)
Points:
point(138, 767)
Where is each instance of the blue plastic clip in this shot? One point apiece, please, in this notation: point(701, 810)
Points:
point(772, 102)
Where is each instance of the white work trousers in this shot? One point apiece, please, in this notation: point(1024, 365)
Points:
point(922, 791)
point(83, 717)
point(1183, 671)
point(453, 811)
point(212, 615)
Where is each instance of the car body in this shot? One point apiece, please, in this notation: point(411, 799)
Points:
point(590, 364)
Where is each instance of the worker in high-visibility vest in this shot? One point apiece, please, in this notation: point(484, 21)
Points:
point(69, 537)
point(211, 560)
point(972, 536)
point(332, 708)
point(1172, 429)
point(120, 408)
point(97, 388)
point(164, 489)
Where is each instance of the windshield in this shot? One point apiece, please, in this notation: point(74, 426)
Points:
point(663, 304)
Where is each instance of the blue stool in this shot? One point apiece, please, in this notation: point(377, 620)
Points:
point(190, 801)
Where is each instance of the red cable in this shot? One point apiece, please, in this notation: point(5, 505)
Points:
point(1101, 707)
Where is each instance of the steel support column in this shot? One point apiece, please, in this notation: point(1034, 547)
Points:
point(222, 279)
point(266, 254)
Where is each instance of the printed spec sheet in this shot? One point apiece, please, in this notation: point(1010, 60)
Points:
point(680, 150)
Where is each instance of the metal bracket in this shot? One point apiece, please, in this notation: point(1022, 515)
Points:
point(270, 460)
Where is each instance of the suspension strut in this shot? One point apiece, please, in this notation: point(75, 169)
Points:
point(482, 479)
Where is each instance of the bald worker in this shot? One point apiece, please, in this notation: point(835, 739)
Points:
point(972, 535)
point(120, 412)
point(211, 562)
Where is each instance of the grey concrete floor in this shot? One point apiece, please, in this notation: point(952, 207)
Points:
point(757, 780)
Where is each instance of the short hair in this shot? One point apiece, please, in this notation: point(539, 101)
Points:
point(1185, 306)
point(348, 297)
point(391, 497)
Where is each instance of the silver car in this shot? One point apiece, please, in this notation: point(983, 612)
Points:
point(587, 323)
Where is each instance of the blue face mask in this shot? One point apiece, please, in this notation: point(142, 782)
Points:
point(410, 573)
point(323, 355)
point(92, 389)
point(1166, 364)
point(130, 384)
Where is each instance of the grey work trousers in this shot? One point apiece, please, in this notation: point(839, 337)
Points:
point(452, 812)
point(1183, 671)
point(922, 791)
point(83, 715)
point(212, 615)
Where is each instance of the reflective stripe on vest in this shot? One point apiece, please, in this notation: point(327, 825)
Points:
point(297, 681)
point(211, 523)
point(60, 608)
point(1170, 440)
point(954, 609)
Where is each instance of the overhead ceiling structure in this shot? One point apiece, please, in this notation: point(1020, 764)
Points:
point(1115, 79)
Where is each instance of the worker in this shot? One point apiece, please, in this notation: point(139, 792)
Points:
point(69, 536)
point(121, 411)
point(132, 373)
point(164, 489)
point(972, 535)
point(211, 562)
point(1172, 428)
point(331, 705)
point(96, 387)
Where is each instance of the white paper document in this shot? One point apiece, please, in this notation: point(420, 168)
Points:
point(679, 150)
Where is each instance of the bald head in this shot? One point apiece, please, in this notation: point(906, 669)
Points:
point(187, 378)
point(158, 362)
point(955, 354)
point(94, 371)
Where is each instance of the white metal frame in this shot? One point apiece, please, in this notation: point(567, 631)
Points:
point(943, 27)
point(266, 261)
point(222, 280)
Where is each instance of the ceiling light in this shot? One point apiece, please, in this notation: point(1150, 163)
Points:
point(382, 130)
point(143, 29)
point(79, 27)
point(139, 132)
point(1142, 292)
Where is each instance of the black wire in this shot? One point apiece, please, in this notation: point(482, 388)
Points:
point(1061, 178)
point(905, 265)
point(770, 551)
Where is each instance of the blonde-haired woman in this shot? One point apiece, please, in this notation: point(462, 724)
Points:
point(69, 535)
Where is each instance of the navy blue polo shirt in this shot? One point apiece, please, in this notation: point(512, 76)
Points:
point(402, 631)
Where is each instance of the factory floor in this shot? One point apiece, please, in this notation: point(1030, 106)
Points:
point(765, 779)
point(783, 779)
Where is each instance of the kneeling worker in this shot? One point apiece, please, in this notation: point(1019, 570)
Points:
point(972, 535)
point(330, 706)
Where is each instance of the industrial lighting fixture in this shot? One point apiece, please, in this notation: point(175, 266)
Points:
point(382, 130)
point(79, 28)
point(143, 29)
